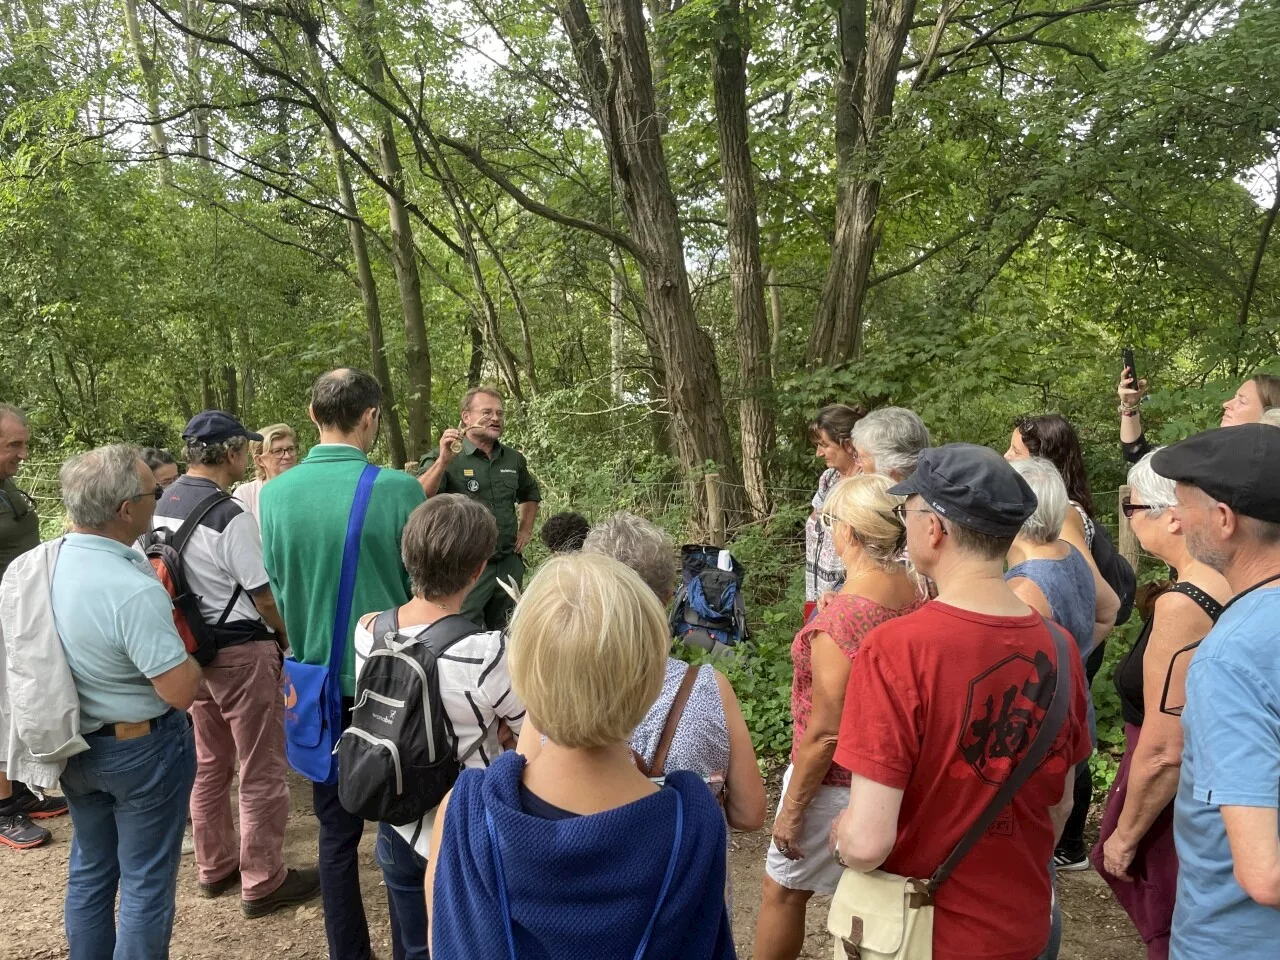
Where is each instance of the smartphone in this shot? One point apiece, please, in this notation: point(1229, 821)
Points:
point(1127, 357)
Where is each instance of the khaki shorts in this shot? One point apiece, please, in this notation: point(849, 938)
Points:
point(818, 871)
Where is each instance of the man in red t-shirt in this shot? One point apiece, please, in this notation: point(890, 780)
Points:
point(941, 706)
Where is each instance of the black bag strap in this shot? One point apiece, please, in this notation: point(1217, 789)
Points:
point(1054, 717)
point(188, 526)
point(674, 713)
point(231, 605)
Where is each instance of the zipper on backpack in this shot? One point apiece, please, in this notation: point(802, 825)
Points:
point(366, 695)
point(426, 706)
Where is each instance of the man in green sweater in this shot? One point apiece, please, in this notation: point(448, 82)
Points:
point(304, 526)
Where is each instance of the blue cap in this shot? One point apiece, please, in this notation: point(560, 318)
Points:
point(215, 426)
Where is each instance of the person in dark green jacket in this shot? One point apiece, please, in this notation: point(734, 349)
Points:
point(304, 526)
point(498, 476)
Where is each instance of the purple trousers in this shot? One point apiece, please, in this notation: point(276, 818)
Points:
point(1149, 898)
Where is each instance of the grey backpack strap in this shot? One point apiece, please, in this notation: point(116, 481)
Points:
point(1054, 717)
point(384, 624)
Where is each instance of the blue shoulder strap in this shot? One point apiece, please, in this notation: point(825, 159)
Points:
point(350, 557)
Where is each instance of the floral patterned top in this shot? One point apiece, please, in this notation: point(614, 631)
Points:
point(846, 620)
point(823, 569)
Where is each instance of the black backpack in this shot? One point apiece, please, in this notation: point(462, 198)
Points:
point(163, 549)
point(399, 757)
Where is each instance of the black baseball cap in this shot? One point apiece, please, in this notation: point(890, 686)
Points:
point(972, 486)
point(1238, 466)
point(215, 426)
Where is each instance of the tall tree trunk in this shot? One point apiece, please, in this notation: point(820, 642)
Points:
point(151, 85)
point(616, 329)
point(403, 255)
point(364, 270)
point(622, 104)
point(864, 86)
point(775, 316)
point(729, 84)
point(192, 12)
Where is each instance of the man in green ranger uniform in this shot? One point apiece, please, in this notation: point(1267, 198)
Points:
point(498, 476)
point(19, 532)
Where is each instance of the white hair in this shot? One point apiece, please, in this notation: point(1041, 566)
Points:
point(1271, 415)
point(1157, 492)
point(1052, 502)
point(894, 436)
point(94, 484)
point(640, 545)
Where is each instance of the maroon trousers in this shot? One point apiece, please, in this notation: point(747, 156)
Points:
point(1149, 898)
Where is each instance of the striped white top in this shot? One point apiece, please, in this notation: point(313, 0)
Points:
point(475, 691)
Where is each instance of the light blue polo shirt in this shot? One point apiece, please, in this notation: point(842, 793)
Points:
point(115, 621)
point(1231, 757)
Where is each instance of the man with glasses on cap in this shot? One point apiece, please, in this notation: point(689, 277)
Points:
point(239, 712)
point(944, 704)
point(1225, 813)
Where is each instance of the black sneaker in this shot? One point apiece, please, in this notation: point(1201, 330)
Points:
point(30, 805)
point(1071, 861)
point(17, 831)
point(218, 887)
point(299, 886)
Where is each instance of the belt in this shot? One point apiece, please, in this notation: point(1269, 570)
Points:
point(130, 731)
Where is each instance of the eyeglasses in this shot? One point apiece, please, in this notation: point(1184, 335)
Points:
point(901, 511)
point(284, 452)
point(155, 494)
point(1129, 508)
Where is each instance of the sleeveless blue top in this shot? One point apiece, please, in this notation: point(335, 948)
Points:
point(581, 887)
point(1068, 586)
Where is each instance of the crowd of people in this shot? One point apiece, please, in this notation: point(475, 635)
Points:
point(957, 603)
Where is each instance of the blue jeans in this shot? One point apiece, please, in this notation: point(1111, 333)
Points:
point(404, 872)
point(128, 801)
point(1055, 920)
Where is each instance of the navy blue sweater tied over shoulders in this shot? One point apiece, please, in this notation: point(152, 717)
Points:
point(645, 880)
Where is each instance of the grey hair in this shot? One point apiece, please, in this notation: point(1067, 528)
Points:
point(214, 454)
point(1157, 492)
point(894, 436)
point(9, 410)
point(94, 484)
point(1271, 416)
point(1052, 502)
point(638, 544)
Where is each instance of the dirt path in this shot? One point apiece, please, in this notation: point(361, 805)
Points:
point(1095, 928)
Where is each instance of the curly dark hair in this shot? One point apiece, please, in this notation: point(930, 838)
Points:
point(1052, 436)
point(564, 532)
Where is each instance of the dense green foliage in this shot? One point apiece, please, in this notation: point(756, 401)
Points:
point(1055, 181)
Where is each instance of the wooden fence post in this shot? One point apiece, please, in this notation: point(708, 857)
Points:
point(1128, 541)
point(715, 513)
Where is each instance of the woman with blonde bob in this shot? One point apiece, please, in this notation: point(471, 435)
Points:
point(858, 515)
point(541, 858)
point(276, 453)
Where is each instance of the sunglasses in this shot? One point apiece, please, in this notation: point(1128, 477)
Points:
point(1129, 508)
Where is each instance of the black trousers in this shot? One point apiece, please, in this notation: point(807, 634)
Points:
point(1072, 841)
point(345, 924)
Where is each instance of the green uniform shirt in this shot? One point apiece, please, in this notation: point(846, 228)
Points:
point(499, 482)
point(304, 526)
point(19, 524)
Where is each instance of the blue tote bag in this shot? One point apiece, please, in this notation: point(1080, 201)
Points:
point(313, 693)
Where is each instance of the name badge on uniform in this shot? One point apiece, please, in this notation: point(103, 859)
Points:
point(468, 473)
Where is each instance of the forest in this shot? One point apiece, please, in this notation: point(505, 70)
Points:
point(669, 230)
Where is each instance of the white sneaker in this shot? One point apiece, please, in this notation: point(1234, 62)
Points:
point(188, 844)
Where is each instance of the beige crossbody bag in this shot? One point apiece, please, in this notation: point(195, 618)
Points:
point(881, 916)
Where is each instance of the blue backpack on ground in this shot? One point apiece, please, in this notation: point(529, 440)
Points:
point(709, 610)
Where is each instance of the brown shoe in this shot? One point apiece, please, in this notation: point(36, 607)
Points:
point(218, 887)
point(299, 886)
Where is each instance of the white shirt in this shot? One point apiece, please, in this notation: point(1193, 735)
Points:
point(475, 691)
point(247, 495)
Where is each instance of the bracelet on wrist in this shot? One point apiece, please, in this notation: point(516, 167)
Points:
point(1127, 411)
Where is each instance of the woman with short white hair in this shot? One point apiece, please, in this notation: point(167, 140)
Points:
point(576, 853)
point(889, 440)
point(1135, 852)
